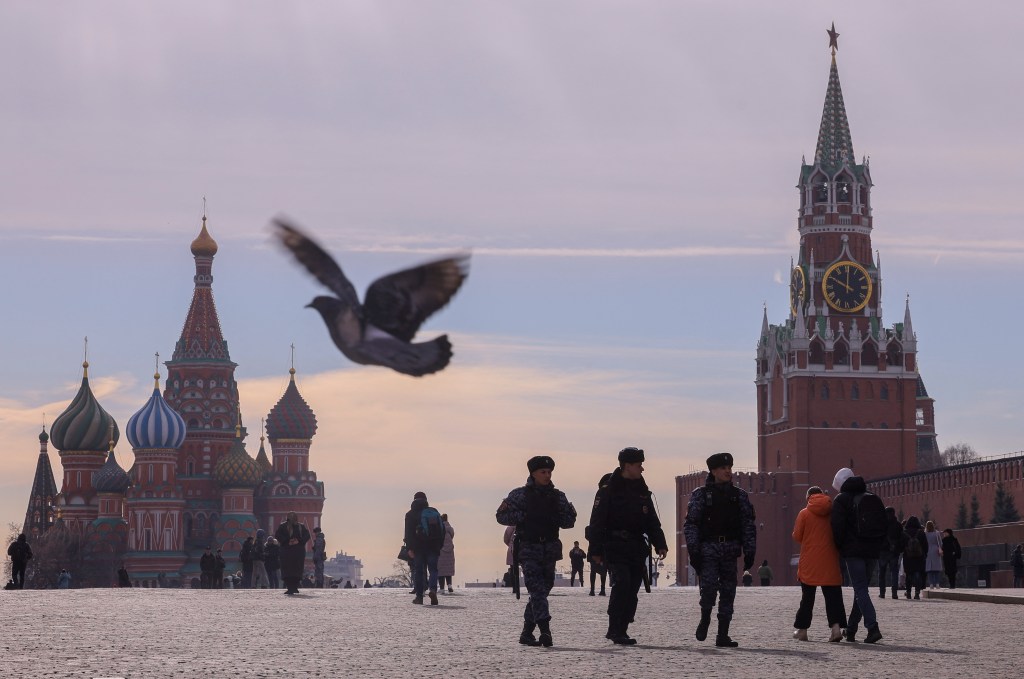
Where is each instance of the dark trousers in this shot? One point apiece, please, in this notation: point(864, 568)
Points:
point(18, 573)
point(888, 561)
point(835, 610)
point(572, 577)
point(860, 574)
point(627, 576)
point(206, 580)
point(247, 575)
point(915, 580)
point(951, 575)
point(424, 571)
point(594, 572)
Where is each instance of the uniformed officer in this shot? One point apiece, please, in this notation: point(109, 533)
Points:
point(719, 527)
point(623, 527)
point(537, 510)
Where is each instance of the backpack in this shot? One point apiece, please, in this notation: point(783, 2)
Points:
point(871, 523)
point(431, 528)
point(914, 549)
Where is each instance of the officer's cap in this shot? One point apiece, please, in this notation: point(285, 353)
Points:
point(719, 460)
point(540, 462)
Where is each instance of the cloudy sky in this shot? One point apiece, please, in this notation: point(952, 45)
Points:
point(622, 171)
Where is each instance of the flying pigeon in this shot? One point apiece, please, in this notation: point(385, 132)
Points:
point(380, 331)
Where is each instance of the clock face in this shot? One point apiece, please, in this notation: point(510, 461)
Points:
point(797, 288)
point(846, 286)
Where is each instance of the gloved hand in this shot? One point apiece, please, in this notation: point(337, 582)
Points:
point(748, 561)
point(695, 559)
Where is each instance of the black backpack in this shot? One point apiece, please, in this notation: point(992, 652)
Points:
point(871, 523)
point(431, 527)
point(914, 550)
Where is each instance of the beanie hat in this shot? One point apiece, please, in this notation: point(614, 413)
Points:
point(540, 462)
point(841, 477)
point(631, 454)
point(420, 495)
point(719, 460)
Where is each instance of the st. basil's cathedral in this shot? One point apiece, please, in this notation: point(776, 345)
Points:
point(193, 482)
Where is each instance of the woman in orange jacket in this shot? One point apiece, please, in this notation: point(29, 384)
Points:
point(819, 565)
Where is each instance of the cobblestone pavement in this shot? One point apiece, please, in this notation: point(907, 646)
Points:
point(473, 633)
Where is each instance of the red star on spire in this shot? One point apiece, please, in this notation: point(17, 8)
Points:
point(833, 38)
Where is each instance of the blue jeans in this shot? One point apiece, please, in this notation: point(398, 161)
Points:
point(860, 574)
point(424, 572)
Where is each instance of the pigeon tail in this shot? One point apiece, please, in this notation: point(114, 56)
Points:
point(416, 359)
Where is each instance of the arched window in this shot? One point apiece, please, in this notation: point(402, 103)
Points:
point(869, 354)
point(883, 392)
point(841, 354)
point(854, 392)
point(816, 354)
point(824, 424)
point(824, 392)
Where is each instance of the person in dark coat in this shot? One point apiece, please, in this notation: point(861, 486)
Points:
point(914, 556)
point(424, 549)
point(207, 565)
point(293, 537)
point(859, 552)
point(624, 526)
point(576, 558)
point(122, 577)
point(272, 562)
point(245, 556)
point(950, 555)
point(1017, 562)
point(889, 557)
point(538, 510)
point(219, 564)
point(720, 526)
point(20, 553)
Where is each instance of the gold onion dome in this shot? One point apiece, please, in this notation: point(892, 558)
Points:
point(84, 425)
point(204, 245)
point(237, 469)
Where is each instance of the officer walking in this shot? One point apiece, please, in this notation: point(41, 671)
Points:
point(537, 510)
point(719, 526)
point(623, 515)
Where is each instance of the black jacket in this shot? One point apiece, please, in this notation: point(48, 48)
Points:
point(950, 552)
point(844, 522)
point(207, 563)
point(914, 532)
point(624, 512)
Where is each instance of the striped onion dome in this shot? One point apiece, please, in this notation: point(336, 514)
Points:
point(291, 418)
point(111, 478)
point(156, 424)
point(237, 469)
point(84, 425)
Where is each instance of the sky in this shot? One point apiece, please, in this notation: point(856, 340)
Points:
point(622, 172)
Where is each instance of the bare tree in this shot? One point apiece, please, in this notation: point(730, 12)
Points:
point(958, 453)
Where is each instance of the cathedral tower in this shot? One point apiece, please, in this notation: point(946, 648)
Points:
point(41, 510)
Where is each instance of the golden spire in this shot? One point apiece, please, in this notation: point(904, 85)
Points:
point(291, 371)
point(156, 371)
point(111, 448)
point(85, 360)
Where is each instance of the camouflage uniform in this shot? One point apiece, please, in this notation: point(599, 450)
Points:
point(730, 517)
point(539, 546)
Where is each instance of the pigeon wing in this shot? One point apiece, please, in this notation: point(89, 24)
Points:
point(317, 262)
point(399, 303)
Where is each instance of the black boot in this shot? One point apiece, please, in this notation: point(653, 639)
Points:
point(704, 624)
point(723, 640)
point(526, 638)
point(545, 633)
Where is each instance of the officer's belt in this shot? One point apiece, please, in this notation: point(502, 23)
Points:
point(536, 541)
point(720, 538)
point(624, 535)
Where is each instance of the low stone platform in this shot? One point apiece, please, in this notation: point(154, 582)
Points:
point(379, 633)
point(988, 596)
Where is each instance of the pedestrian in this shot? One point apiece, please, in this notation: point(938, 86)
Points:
point(19, 552)
point(765, 573)
point(576, 559)
point(424, 535)
point(122, 577)
point(859, 542)
point(272, 562)
point(319, 556)
point(597, 570)
point(915, 553)
point(259, 561)
point(624, 527)
point(1017, 563)
point(293, 537)
point(446, 559)
point(748, 579)
point(950, 555)
point(538, 510)
point(207, 566)
point(933, 562)
point(509, 538)
point(64, 579)
point(219, 564)
point(889, 557)
point(719, 528)
point(818, 566)
point(245, 556)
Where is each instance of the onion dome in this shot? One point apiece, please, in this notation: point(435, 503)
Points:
point(291, 418)
point(204, 245)
point(156, 424)
point(84, 424)
point(262, 460)
point(237, 469)
point(111, 478)
point(44, 437)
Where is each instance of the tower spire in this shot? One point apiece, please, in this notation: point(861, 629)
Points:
point(835, 145)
